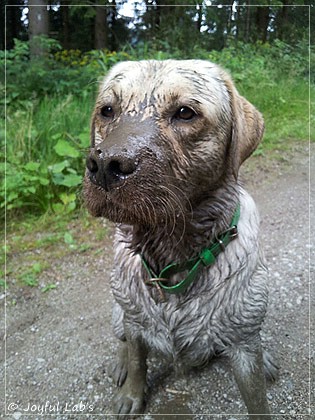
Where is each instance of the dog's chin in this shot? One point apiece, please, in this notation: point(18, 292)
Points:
point(121, 207)
point(118, 214)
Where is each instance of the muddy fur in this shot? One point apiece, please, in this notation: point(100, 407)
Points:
point(168, 139)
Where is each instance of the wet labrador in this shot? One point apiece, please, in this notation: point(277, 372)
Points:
point(189, 277)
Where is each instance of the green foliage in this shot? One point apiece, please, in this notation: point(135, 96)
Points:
point(49, 287)
point(274, 77)
point(60, 72)
point(49, 103)
point(30, 276)
point(45, 154)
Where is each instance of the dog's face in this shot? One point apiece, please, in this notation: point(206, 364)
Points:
point(164, 134)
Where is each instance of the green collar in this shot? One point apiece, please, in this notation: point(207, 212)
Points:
point(206, 257)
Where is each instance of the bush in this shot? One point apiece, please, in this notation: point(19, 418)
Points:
point(45, 148)
point(59, 72)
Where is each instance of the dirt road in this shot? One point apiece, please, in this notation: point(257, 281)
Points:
point(59, 344)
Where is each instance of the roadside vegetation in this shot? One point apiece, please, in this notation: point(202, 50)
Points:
point(44, 136)
point(49, 103)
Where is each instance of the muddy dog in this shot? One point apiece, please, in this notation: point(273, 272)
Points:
point(168, 138)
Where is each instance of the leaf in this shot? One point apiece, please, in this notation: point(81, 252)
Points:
point(32, 166)
point(43, 181)
point(58, 208)
point(71, 206)
point(55, 137)
point(59, 167)
point(48, 287)
point(84, 138)
point(58, 178)
point(72, 171)
point(32, 190)
point(12, 196)
point(63, 148)
point(30, 280)
point(68, 238)
point(67, 198)
point(37, 268)
point(70, 180)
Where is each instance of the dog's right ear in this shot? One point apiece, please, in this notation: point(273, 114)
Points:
point(247, 128)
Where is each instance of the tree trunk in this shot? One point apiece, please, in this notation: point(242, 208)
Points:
point(229, 21)
point(100, 28)
point(112, 32)
point(247, 24)
point(12, 26)
point(262, 22)
point(283, 20)
point(199, 19)
point(65, 26)
point(38, 25)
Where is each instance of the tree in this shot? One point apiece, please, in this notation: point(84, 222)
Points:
point(247, 22)
point(64, 10)
point(38, 25)
point(100, 27)
point(218, 20)
point(171, 24)
point(165, 24)
point(10, 23)
point(262, 21)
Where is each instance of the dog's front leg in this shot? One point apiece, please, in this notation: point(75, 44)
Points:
point(130, 397)
point(248, 368)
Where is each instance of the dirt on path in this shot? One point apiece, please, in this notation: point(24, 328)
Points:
point(59, 344)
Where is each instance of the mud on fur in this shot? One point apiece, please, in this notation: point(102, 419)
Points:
point(167, 141)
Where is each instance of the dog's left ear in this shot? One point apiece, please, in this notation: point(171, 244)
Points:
point(247, 128)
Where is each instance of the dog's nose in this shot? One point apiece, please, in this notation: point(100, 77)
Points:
point(109, 171)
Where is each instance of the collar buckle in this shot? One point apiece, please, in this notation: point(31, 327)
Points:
point(155, 281)
point(231, 231)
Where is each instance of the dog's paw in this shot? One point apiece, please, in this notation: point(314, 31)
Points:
point(119, 372)
point(128, 401)
point(271, 368)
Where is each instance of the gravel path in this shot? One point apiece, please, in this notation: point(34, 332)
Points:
point(59, 344)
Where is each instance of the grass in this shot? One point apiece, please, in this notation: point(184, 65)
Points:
point(29, 243)
point(46, 145)
point(285, 107)
point(32, 130)
point(282, 95)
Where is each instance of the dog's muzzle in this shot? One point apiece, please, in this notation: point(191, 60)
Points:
point(117, 158)
point(109, 171)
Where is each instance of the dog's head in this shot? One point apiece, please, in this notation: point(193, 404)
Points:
point(164, 134)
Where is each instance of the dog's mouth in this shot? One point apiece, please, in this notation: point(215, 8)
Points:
point(136, 199)
point(126, 185)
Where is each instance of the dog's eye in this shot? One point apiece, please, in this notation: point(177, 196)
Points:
point(107, 111)
point(184, 113)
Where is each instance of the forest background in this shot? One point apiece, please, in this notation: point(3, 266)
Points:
point(52, 58)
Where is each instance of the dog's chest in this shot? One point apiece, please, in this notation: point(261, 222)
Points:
point(225, 304)
point(184, 332)
point(190, 329)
